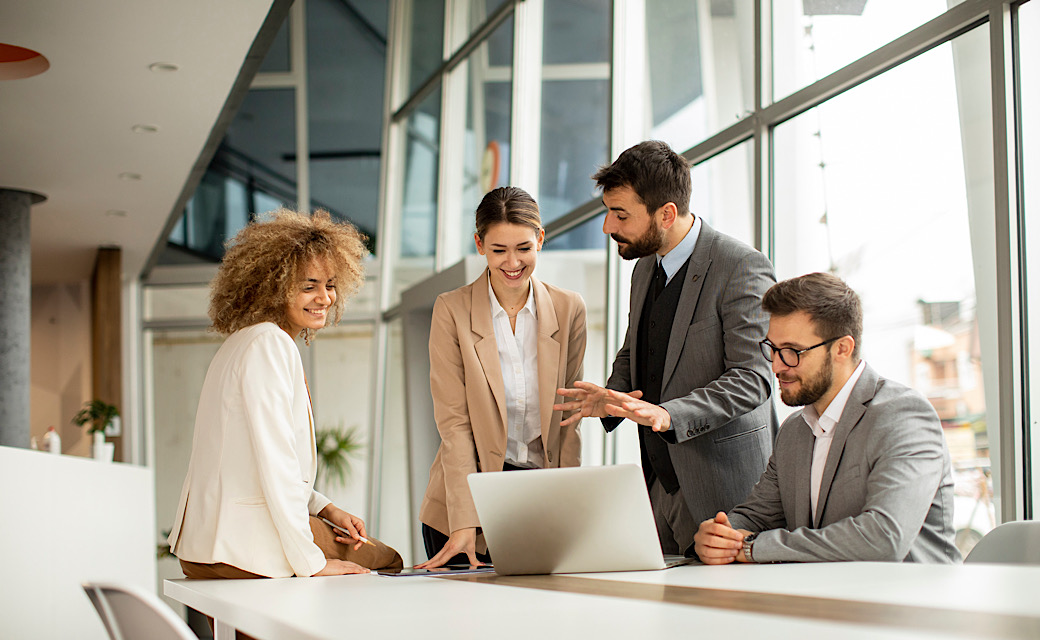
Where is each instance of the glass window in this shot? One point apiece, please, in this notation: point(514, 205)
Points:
point(253, 171)
point(1029, 74)
point(574, 142)
point(488, 123)
point(480, 10)
point(340, 376)
point(396, 519)
point(575, 109)
point(178, 364)
point(346, 64)
point(886, 194)
point(723, 192)
point(699, 76)
point(418, 229)
point(574, 262)
point(424, 43)
point(813, 38)
point(278, 57)
point(576, 32)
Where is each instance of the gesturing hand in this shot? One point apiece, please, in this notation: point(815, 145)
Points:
point(590, 401)
point(460, 541)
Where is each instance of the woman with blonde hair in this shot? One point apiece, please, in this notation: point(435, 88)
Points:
point(248, 507)
point(499, 349)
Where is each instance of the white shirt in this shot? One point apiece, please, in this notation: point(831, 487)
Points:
point(518, 357)
point(680, 253)
point(823, 428)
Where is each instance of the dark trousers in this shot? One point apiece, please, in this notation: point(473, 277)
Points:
point(434, 540)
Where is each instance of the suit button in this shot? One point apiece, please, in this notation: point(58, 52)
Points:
point(653, 377)
point(550, 456)
point(653, 323)
point(652, 351)
point(689, 433)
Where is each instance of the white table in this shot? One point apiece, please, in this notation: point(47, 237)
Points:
point(843, 600)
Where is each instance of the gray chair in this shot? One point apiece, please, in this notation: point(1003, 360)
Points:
point(1011, 543)
point(129, 613)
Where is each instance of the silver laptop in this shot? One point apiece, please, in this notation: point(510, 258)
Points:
point(575, 520)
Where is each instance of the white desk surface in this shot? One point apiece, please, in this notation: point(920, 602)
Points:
point(372, 606)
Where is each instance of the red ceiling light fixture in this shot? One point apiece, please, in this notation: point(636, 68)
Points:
point(19, 62)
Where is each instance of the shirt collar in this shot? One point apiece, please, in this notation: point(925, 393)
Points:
point(677, 257)
point(822, 425)
point(496, 306)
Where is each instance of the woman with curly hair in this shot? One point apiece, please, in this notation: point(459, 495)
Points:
point(248, 508)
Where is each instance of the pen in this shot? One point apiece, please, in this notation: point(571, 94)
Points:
point(345, 532)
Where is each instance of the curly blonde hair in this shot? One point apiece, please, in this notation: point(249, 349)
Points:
point(263, 266)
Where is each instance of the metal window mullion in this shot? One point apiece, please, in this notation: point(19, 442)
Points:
point(391, 177)
point(524, 155)
point(452, 132)
point(298, 64)
point(762, 151)
point(1008, 266)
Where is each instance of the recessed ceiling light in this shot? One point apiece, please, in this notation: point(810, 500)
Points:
point(116, 213)
point(144, 128)
point(163, 67)
point(129, 176)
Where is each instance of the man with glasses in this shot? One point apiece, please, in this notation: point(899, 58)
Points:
point(862, 472)
point(689, 372)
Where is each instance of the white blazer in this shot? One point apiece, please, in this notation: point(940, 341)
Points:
point(249, 491)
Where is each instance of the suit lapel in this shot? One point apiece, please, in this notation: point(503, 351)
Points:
point(548, 356)
point(700, 260)
point(487, 347)
point(803, 516)
point(855, 407)
point(641, 277)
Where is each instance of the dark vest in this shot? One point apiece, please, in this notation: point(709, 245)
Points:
point(655, 328)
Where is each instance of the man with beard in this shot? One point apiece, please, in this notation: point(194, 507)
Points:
point(689, 372)
point(862, 472)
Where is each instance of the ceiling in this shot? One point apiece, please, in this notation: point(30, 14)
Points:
point(68, 133)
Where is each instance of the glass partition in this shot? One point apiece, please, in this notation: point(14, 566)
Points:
point(575, 105)
point(417, 234)
point(888, 194)
point(488, 123)
point(699, 68)
point(814, 38)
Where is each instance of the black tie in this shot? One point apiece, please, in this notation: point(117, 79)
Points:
point(660, 279)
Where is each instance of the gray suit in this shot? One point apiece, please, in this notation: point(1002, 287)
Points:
point(886, 493)
point(716, 385)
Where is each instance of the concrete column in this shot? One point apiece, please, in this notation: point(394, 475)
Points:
point(14, 316)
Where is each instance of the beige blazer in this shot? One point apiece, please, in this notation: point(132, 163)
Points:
point(249, 491)
point(469, 394)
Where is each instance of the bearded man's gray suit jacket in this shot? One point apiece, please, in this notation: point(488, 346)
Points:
point(716, 385)
point(886, 493)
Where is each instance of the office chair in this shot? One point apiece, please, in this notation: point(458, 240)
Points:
point(1011, 543)
point(129, 613)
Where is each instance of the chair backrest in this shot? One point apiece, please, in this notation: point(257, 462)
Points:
point(1010, 543)
point(130, 613)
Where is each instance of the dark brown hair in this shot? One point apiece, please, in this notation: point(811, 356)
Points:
point(834, 307)
point(657, 174)
point(264, 265)
point(507, 204)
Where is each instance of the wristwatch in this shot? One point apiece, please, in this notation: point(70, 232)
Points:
point(749, 541)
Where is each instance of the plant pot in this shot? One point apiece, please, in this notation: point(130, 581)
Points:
point(99, 449)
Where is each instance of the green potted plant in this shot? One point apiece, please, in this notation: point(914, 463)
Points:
point(336, 446)
point(100, 415)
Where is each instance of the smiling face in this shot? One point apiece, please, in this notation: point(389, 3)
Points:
point(512, 253)
point(628, 222)
point(813, 378)
point(309, 307)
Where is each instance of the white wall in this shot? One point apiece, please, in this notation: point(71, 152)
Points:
point(67, 520)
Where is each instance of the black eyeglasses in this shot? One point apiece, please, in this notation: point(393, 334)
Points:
point(790, 357)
